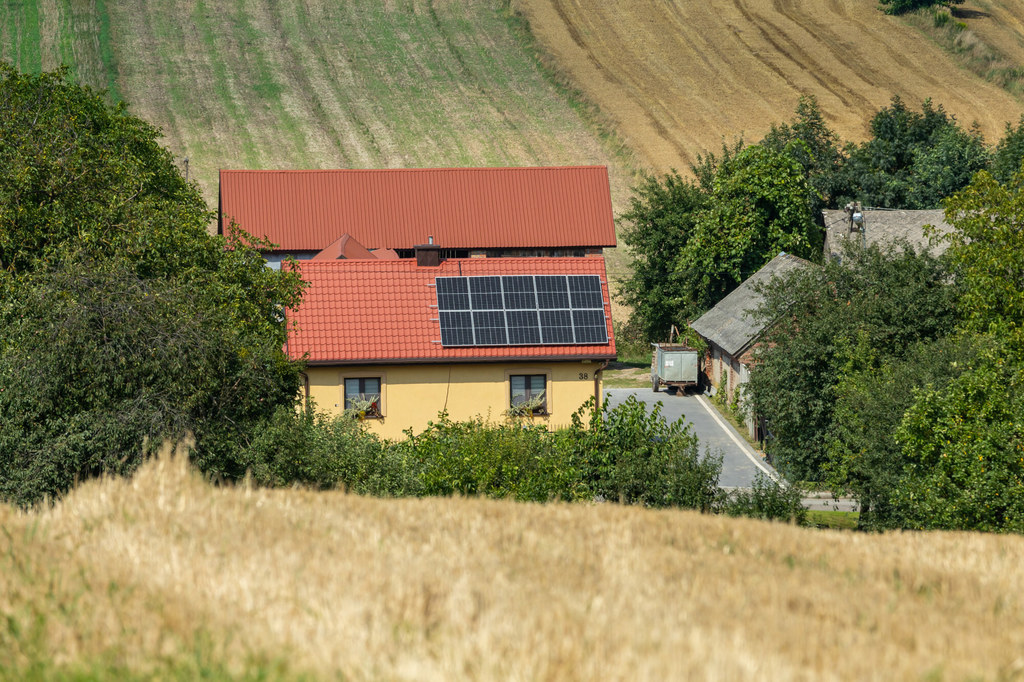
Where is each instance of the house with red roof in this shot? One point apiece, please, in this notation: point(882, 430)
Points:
point(399, 340)
point(386, 213)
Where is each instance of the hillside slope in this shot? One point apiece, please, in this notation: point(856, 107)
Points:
point(166, 570)
point(676, 77)
point(316, 83)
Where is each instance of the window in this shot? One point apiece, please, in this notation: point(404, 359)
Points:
point(363, 395)
point(529, 393)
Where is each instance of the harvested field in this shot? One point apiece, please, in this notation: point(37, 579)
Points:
point(167, 576)
point(677, 77)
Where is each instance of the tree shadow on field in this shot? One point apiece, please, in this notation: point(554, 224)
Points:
point(959, 13)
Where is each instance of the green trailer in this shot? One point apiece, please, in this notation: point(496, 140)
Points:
point(674, 366)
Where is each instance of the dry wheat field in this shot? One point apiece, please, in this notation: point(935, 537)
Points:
point(677, 77)
point(139, 575)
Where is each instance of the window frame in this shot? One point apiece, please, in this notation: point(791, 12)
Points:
point(528, 374)
point(361, 377)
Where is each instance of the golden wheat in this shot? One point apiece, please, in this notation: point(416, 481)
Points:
point(136, 571)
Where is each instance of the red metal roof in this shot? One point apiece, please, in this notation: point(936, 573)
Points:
point(462, 208)
point(385, 311)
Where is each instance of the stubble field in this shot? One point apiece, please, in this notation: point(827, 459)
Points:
point(678, 77)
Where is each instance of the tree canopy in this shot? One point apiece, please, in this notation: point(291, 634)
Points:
point(873, 306)
point(692, 242)
point(122, 321)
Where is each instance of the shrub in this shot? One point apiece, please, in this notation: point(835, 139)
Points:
point(513, 460)
point(629, 455)
point(310, 448)
point(766, 499)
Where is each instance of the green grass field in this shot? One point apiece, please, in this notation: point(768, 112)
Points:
point(320, 84)
point(317, 84)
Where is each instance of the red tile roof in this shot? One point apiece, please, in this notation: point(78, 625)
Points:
point(346, 247)
point(374, 311)
point(462, 208)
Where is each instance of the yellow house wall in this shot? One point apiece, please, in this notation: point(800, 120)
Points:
point(415, 394)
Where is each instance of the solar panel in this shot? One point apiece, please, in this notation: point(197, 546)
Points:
point(452, 293)
point(521, 310)
point(456, 328)
point(485, 293)
point(552, 291)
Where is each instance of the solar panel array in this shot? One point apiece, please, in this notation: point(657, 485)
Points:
point(521, 310)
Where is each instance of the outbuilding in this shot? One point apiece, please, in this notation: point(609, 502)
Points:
point(732, 331)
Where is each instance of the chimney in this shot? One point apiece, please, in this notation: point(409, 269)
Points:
point(428, 255)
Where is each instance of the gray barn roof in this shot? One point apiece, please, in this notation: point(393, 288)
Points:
point(729, 325)
point(884, 227)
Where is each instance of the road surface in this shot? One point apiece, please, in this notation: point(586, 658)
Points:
point(740, 462)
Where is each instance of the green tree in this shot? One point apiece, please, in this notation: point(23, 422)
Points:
point(913, 160)
point(965, 449)
point(121, 319)
point(758, 206)
point(692, 243)
point(965, 441)
point(863, 456)
point(815, 146)
point(1009, 153)
point(881, 300)
point(904, 6)
point(657, 227)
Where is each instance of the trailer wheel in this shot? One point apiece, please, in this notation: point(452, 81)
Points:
point(654, 383)
point(672, 390)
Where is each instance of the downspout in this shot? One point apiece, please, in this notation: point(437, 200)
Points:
point(305, 386)
point(597, 384)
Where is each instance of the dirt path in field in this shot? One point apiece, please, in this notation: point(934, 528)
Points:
point(677, 77)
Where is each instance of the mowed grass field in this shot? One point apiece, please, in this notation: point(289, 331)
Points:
point(168, 576)
point(677, 77)
point(316, 83)
point(322, 84)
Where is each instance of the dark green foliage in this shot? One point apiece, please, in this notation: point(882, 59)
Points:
point(657, 228)
point(965, 450)
point(904, 6)
point(77, 175)
point(886, 299)
point(1009, 153)
point(768, 500)
point(964, 442)
point(513, 460)
point(122, 321)
point(815, 146)
point(864, 458)
point(623, 454)
point(912, 160)
point(95, 361)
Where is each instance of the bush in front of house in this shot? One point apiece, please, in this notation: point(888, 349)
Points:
point(621, 454)
point(629, 455)
point(313, 449)
point(516, 460)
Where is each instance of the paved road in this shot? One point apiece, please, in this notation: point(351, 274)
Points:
point(739, 461)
